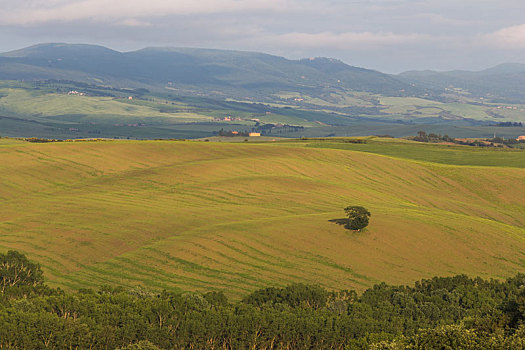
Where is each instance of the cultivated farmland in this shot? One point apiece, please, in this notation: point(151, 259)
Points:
point(236, 217)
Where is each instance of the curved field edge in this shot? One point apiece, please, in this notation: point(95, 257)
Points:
point(431, 152)
point(237, 217)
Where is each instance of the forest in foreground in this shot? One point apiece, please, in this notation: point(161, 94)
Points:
point(439, 313)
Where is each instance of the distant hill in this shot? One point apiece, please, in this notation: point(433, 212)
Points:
point(189, 92)
point(504, 82)
point(229, 72)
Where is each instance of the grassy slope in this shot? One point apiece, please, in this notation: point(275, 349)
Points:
point(435, 153)
point(23, 101)
point(37, 110)
point(235, 217)
point(70, 108)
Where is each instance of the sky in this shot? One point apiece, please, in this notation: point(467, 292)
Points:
point(388, 35)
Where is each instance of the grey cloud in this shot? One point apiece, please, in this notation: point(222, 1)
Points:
point(341, 41)
point(389, 35)
point(103, 10)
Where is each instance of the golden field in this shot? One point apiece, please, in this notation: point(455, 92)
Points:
point(236, 217)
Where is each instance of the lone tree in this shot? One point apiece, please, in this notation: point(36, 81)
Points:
point(357, 218)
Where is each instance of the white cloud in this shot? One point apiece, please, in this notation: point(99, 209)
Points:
point(133, 22)
point(38, 11)
point(510, 37)
point(343, 41)
point(439, 19)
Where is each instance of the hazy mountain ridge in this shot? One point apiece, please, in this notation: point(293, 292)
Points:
point(248, 74)
point(194, 67)
point(503, 82)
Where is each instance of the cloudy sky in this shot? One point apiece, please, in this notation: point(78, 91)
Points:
point(388, 35)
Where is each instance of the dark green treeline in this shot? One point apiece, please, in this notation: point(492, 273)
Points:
point(440, 313)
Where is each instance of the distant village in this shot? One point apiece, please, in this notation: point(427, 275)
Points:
point(261, 130)
point(233, 119)
point(232, 133)
point(510, 107)
point(77, 93)
point(257, 131)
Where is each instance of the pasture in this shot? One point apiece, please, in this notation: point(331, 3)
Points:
point(235, 217)
point(71, 109)
point(431, 152)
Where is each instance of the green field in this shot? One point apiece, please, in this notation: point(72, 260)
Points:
point(429, 152)
point(47, 109)
point(71, 109)
point(240, 216)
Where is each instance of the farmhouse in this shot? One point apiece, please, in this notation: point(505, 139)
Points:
point(254, 134)
point(74, 92)
point(520, 138)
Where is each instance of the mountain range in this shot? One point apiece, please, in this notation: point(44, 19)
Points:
point(192, 69)
point(239, 73)
point(505, 82)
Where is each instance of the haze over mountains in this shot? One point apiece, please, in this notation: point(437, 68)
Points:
point(76, 91)
point(195, 68)
point(505, 81)
point(244, 74)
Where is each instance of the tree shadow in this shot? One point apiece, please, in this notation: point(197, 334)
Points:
point(346, 224)
point(342, 222)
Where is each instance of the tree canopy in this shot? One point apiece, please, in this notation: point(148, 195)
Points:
point(440, 313)
point(358, 217)
point(17, 270)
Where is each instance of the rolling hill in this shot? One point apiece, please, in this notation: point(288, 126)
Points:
point(236, 217)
